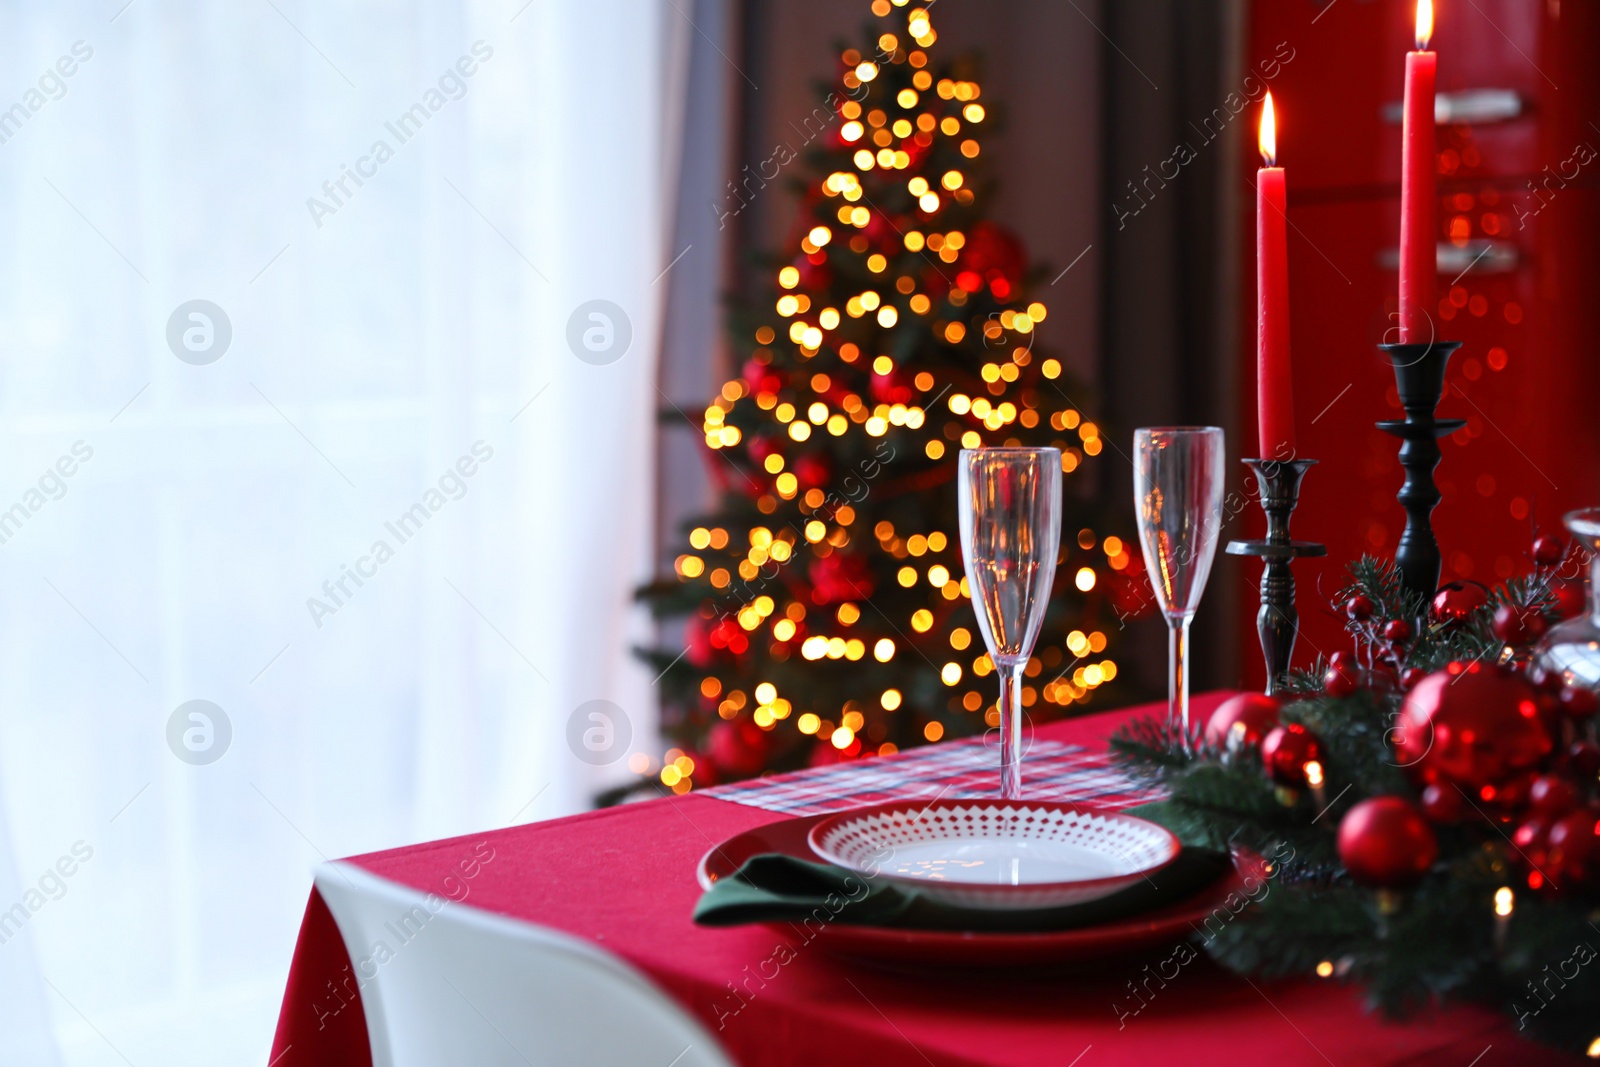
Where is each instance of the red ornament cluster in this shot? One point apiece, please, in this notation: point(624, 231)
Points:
point(1485, 742)
point(1490, 744)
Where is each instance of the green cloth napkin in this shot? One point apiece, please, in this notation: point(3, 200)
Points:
point(779, 888)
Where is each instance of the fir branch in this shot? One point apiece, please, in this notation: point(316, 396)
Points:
point(1379, 580)
point(1150, 750)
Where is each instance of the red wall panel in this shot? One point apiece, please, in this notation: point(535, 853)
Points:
point(1525, 377)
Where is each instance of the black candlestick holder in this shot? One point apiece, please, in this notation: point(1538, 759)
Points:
point(1419, 377)
point(1277, 622)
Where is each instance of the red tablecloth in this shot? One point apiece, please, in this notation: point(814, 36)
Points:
point(624, 878)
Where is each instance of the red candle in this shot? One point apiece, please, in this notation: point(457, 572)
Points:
point(1274, 393)
point(1419, 203)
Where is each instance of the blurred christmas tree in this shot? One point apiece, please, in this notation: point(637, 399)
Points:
point(827, 618)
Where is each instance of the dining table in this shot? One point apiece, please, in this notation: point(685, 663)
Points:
point(624, 879)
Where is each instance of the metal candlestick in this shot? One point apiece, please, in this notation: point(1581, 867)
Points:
point(1419, 377)
point(1277, 622)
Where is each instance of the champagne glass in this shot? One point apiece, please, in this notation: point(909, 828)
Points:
point(1177, 490)
point(1010, 536)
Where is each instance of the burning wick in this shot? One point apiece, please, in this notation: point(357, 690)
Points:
point(1504, 902)
point(1314, 780)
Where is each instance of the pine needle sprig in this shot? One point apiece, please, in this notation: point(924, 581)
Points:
point(1152, 750)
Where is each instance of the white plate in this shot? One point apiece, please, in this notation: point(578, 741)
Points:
point(997, 853)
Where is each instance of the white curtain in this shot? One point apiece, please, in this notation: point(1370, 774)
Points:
point(388, 535)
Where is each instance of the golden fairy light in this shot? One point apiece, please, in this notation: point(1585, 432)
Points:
point(1313, 770)
point(1504, 901)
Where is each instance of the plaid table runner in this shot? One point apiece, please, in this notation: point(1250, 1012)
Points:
point(961, 770)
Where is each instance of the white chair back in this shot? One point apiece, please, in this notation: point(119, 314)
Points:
point(444, 983)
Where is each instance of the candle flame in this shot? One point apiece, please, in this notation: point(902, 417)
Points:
point(1267, 141)
point(1424, 24)
point(1504, 899)
point(1313, 771)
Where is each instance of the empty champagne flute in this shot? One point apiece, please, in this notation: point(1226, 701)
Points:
point(1010, 536)
point(1177, 490)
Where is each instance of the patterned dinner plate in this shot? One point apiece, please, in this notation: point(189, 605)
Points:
point(997, 854)
point(913, 949)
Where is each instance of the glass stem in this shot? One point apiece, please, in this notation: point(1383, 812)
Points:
point(1178, 677)
point(1594, 588)
point(1011, 729)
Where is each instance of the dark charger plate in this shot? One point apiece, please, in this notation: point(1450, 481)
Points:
point(900, 947)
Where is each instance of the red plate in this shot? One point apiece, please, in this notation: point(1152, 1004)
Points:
point(885, 945)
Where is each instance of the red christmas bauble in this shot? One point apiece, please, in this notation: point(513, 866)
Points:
point(761, 378)
point(1252, 713)
point(838, 577)
point(1578, 702)
point(1584, 759)
point(813, 469)
point(991, 248)
point(1569, 598)
point(1548, 550)
point(1457, 601)
point(1475, 725)
point(728, 635)
point(1339, 681)
point(892, 388)
point(697, 642)
point(1359, 607)
point(1574, 848)
point(1511, 795)
point(823, 754)
point(1549, 682)
point(739, 748)
point(1397, 631)
point(1530, 839)
point(880, 232)
point(1551, 795)
point(1286, 750)
point(705, 772)
point(1385, 842)
point(1442, 802)
point(815, 275)
point(1519, 626)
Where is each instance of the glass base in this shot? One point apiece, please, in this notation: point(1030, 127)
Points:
point(1573, 650)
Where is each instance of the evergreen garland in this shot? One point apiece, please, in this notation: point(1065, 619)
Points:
point(1436, 939)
